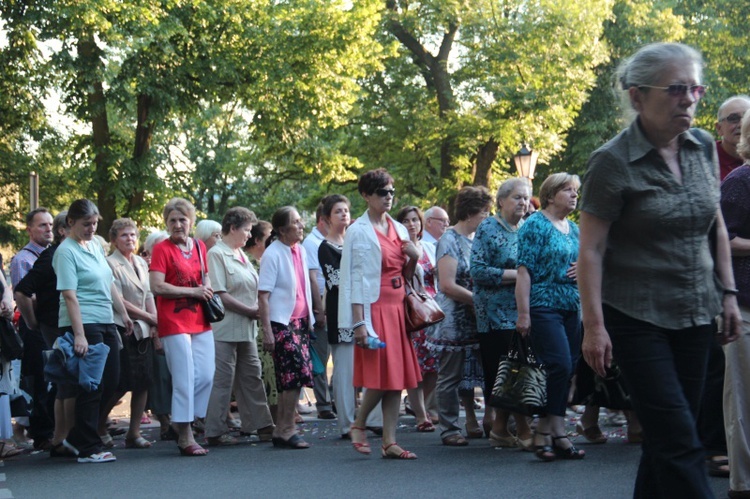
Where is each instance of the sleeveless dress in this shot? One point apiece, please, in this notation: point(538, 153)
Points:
point(394, 367)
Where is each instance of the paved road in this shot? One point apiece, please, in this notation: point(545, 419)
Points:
point(331, 468)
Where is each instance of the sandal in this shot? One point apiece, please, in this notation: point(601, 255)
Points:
point(593, 433)
point(361, 447)
point(293, 442)
point(137, 443)
point(395, 454)
point(222, 440)
point(169, 434)
point(425, 427)
point(509, 442)
point(99, 457)
point(107, 441)
point(8, 450)
point(473, 430)
point(455, 440)
point(192, 450)
point(265, 434)
point(526, 444)
point(60, 450)
point(718, 467)
point(544, 452)
point(567, 453)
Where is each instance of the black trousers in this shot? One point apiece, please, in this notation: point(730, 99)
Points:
point(42, 417)
point(664, 370)
point(85, 435)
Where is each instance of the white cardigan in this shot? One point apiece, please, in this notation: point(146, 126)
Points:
point(361, 261)
point(277, 276)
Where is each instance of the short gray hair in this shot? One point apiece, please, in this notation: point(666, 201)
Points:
point(646, 67)
point(205, 228)
point(153, 239)
point(507, 187)
point(729, 101)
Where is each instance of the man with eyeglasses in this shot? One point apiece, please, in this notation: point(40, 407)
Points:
point(728, 122)
point(436, 222)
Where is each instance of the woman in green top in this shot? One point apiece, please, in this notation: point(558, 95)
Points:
point(650, 288)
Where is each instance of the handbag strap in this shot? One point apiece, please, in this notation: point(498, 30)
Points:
point(523, 347)
point(200, 260)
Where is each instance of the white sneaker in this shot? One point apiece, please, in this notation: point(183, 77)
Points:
point(101, 457)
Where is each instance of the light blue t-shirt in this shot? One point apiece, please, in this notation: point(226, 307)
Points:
point(547, 254)
point(86, 271)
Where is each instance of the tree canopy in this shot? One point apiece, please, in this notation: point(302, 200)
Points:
point(270, 102)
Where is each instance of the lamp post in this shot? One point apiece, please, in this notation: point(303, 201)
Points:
point(525, 161)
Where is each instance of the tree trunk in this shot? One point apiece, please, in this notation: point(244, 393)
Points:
point(90, 69)
point(144, 132)
point(483, 163)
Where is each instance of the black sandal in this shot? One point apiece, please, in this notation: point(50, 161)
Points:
point(169, 434)
point(544, 452)
point(718, 467)
point(569, 453)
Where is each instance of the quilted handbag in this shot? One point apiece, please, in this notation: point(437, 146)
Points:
point(421, 309)
point(521, 383)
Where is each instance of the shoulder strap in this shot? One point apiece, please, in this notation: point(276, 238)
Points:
point(200, 260)
point(31, 251)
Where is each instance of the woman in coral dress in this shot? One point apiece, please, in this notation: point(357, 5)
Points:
point(377, 254)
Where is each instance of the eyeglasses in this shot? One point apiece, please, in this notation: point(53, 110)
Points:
point(441, 220)
point(385, 192)
point(733, 118)
point(679, 89)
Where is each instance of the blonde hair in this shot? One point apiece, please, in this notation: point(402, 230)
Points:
point(554, 184)
point(183, 206)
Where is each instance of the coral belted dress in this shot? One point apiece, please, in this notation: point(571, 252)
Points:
point(394, 367)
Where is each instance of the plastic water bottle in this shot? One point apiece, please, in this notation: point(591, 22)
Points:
point(373, 343)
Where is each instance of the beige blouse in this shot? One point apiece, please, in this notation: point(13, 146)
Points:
point(237, 277)
point(133, 286)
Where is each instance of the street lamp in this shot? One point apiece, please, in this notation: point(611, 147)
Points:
point(525, 161)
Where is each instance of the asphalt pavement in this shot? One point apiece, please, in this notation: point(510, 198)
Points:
point(332, 469)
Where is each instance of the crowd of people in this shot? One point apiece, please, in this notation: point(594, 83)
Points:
point(661, 252)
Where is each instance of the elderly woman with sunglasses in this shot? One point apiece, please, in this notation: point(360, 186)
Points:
point(649, 286)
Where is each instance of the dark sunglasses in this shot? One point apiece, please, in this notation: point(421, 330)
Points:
point(733, 118)
point(679, 89)
point(385, 192)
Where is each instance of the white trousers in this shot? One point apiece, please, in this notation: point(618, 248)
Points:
point(190, 358)
point(737, 406)
point(344, 394)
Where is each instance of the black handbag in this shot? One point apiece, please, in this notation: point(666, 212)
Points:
point(213, 308)
point(521, 382)
point(11, 344)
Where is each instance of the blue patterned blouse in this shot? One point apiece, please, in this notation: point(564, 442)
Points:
point(547, 254)
point(495, 249)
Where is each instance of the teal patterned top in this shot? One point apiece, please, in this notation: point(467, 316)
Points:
point(547, 254)
point(494, 250)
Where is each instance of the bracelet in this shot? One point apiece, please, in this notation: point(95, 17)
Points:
point(356, 325)
point(731, 291)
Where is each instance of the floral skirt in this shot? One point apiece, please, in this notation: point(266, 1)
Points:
point(428, 359)
point(291, 355)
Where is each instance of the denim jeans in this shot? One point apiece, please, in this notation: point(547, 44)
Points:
point(664, 370)
point(556, 340)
